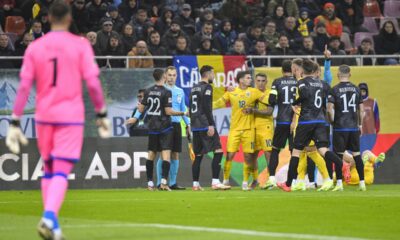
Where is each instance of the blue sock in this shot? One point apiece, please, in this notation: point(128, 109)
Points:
point(173, 172)
point(51, 216)
point(159, 171)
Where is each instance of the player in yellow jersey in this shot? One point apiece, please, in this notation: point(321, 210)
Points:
point(241, 131)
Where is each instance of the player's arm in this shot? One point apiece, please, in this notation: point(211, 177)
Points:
point(167, 100)
point(327, 66)
point(273, 95)
point(184, 109)
point(331, 106)
point(301, 93)
point(221, 103)
point(265, 112)
point(132, 120)
point(207, 110)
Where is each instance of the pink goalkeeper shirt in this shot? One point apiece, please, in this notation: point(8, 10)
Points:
point(59, 62)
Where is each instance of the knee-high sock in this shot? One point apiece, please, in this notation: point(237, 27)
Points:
point(292, 173)
point(149, 170)
point(311, 170)
point(165, 169)
point(302, 168)
point(216, 165)
point(173, 172)
point(337, 159)
point(46, 179)
point(196, 168)
point(227, 169)
point(273, 161)
point(159, 171)
point(255, 174)
point(320, 163)
point(329, 167)
point(359, 166)
point(246, 172)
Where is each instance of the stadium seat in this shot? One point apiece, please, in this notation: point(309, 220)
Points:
point(391, 9)
point(394, 20)
point(371, 9)
point(359, 36)
point(15, 24)
point(345, 38)
point(370, 24)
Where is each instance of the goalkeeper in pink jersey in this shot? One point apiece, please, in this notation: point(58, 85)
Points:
point(58, 62)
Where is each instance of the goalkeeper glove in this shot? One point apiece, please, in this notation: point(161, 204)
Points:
point(15, 137)
point(103, 124)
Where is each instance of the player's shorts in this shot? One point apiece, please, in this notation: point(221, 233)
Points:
point(162, 141)
point(60, 142)
point(263, 139)
point(328, 133)
point(307, 132)
point(203, 144)
point(343, 141)
point(281, 136)
point(177, 137)
point(244, 137)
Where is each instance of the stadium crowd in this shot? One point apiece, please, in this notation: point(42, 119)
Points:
point(209, 27)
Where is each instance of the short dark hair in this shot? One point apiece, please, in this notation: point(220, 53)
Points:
point(241, 74)
point(316, 67)
point(287, 66)
point(298, 62)
point(158, 74)
point(261, 75)
point(59, 9)
point(204, 69)
point(142, 90)
point(154, 32)
point(207, 23)
point(367, 40)
point(344, 69)
point(308, 66)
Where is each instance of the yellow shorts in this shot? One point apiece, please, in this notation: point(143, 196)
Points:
point(244, 137)
point(264, 137)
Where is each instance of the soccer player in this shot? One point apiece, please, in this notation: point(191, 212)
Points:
point(205, 137)
point(58, 62)
point(283, 93)
point(345, 111)
point(158, 103)
point(241, 131)
point(311, 125)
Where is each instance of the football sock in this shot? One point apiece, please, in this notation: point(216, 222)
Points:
point(227, 170)
point(329, 167)
point(339, 182)
point(149, 170)
point(273, 161)
point(216, 165)
point(302, 168)
point(215, 181)
point(255, 174)
point(337, 159)
point(159, 171)
point(359, 166)
point(320, 163)
point(246, 172)
point(173, 172)
point(46, 179)
point(51, 220)
point(292, 172)
point(311, 169)
point(196, 184)
point(196, 167)
point(165, 169)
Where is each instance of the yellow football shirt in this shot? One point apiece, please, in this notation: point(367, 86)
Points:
point(262, 120)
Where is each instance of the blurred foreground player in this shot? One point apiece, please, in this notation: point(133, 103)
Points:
point(58, 62)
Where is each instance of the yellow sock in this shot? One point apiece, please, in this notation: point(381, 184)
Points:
point(246, 172)
point(227, 169)
point(255, 174)
point(302, 168)
point(320, 163)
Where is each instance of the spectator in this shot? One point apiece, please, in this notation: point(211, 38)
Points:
point(114, 48)
point(164, 22)
point(173, 4)
point(236, 10)
point(156, 49)
point(252, 36)
point(140, 22)
point(92, 37)
point(292, 33)
point(206, 47)
point(140, 50)
point(96, 10)
point(334, 47)
point(313, 7)
point(206, 32)
point(36, 29)
point(291, 8)
point(40, 6)
point(140, 128)
point(366, 49)
point(5, 51)
point(278, 17)
point(181, 47)
point(147, 29)
point(255, 11)
point(80, 16)
point(43, 17)
point(282, 49)
point(128, 38)
point(387, 42)
point(320, 37)
point(208, 16)
point(371, 121)
point(7, 8)
point(104, 34)
point(127, 9)
point(238, 48)
point(118, 21)
point(21, 45)
point(225, 37)
point(304, 24)
point(333, 24)
point(185, 20)
point(351, 13)
point(308, 47)
point(271, 35)
point(260, 49)
point(171, 35)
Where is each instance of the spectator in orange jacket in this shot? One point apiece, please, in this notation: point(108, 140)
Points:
point(140, 50)
point(334, 26)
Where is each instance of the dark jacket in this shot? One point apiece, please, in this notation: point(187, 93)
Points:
point(354, 20)
point(280, 52)
point(178, 52)
point(158, 50)
point(294, 38)
point(81, 19)
point(187, 24)
point(119, 51)
point(96, 13)
point(250, 41)
point(5, 63)
point(161, 25)
point(169, 39)
point(386, 44)
point(196, 41)
point(128, 42)
point(202, 51)
point(366, 61)
point(320, 40)
point(126, 12)
point(103, 38)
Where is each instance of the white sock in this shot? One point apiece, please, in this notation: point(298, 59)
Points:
point(57, 232)
point(215, 181)
point(272, 178)
point(196, 184)
point(339, 183)
point(49, 223)
point(150, 184)
point(362, 183)
point(301, 181)
point(164, 181)
point(226, 182)
point(244, 184)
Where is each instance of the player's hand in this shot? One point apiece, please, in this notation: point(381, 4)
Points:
point(361, 131)
point(230, 88)
point(247, 110)
point(103, 124)
point(296, 110)
point(131, 121)
point(188, 130)
point(327, 53)
point(15, 137)
point(211, 131)
point(292, 127)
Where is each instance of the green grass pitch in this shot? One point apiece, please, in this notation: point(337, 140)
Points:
point(140, 214)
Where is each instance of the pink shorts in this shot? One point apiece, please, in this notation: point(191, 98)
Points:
point(62, 142)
